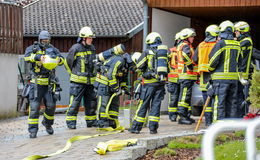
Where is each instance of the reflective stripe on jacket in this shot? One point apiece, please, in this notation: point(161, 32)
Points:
point(224, 59)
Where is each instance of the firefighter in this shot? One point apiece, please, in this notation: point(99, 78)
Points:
point(223, 65)
point(111, 82)
point(152, 83)
point(80, 66)
point(242, 31)
point(43, 58)
point(201, 57)
point(173, 86)
point(187, 75)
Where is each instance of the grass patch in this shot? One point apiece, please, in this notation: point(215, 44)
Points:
point(230, 151)
point(186, 142)
point(223, 138)
point(233, 150)
point(239, 134)
point(164, 152)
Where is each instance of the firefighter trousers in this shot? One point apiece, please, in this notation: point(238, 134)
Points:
point(37, 94)
point(184, 102)
point(108, 109)
point(173, 89)
point(77, 92)
point(224, 100)
point(150, 95)
point(243, 103)
point(108, 106)
point(208, 112)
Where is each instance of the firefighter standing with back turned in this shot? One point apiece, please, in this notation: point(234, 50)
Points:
point(111, 82)
point(80, 65)
point(44, 58)
point(223, 65)
point(201, 57)
point(187, 75)
point(153, 65)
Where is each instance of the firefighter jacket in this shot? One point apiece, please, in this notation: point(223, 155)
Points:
point(224, 59)
point(33, 55)
point(201, 57)
point(173, 65)
point(186, 67)
point(246, 45)
point(147, 65)
point(80, 63)
point(113, 73)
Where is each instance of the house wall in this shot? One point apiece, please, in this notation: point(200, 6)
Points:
point(168, 24)
point(101, 43)
point(11, 30)
point(201, 3)
point(8, 85)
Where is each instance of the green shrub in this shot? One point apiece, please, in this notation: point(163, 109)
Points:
point(254, 91)
point(164, 152)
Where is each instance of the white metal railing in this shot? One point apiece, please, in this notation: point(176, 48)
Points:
point(211, 133)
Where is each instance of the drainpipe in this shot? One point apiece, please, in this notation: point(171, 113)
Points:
point(145, 29)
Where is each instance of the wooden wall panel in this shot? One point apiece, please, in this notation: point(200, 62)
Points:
point(202, 3)
point(64, 43)
point(11, 29)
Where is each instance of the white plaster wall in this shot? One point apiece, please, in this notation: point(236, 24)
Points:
point(8, 85)
point(167, 24)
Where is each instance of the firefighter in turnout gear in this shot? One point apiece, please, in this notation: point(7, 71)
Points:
point(173, 86)
point(43, 58)
point(223, 65)
point(154, 71)
point(187, 75)
point(111, 81)
point(80, 66)
point(242, 31)
point(201, 57)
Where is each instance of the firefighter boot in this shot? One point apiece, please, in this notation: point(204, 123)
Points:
point(208, 119)
point(103, 123)
point(191, 119)
point(71, 126)
point(112, 123)
point(173, 117)
point(136, 127)
point(49, 128)
point(184, 120)
point(92, 123)
point(33, 134)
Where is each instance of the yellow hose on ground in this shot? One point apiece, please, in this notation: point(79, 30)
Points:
point(68, 145)
point(114, 145)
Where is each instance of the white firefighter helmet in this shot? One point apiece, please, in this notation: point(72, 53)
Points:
point(86, 32)
point(49, 62)
point(242, 26)
point(136, 56)
point(186, 33)
point(177, 36)
point(213, 30)
point(153, 37)
point(226, 24)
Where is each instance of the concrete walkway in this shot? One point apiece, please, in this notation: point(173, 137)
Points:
point(16, 144)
